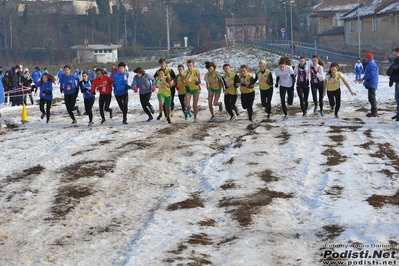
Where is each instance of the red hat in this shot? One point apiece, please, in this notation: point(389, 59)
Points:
point(369, 56)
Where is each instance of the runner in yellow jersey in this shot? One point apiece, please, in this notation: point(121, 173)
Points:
point(231, 83)
point(214, 85)
point(181, 88)
point(332, 85)
point(162, 82)
point(247, 90)
point(192, 79)
point(172, 77)
point(265, 86)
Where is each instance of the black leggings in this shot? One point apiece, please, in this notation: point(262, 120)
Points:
point(88, 107)
point(334, 98)
point(145, 103)
point(266, 99)
point(230, 103)
point(181, 100)
point(247, 102)
point(70, 101)
point(303, 94)
point(123, 101)
point(290, 92)
point(48, 107)
point(314, 95)
point(104, 102)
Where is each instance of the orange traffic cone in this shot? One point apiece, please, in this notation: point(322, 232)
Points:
point(24, 118)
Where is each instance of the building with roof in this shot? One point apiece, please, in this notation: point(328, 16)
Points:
point(245, 29)
point(378, 25)
point(98, 53)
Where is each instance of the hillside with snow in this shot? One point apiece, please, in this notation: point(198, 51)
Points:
point(271, 192)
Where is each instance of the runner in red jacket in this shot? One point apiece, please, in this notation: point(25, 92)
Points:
point(103, 84)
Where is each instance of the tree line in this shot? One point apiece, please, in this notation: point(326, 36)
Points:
point(35, 35)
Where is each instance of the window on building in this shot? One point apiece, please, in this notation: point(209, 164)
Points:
point(257, 30)
point(349, 28)
point(96, 51)
point(374, 24)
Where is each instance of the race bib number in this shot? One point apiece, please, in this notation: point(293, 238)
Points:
point(68, 87)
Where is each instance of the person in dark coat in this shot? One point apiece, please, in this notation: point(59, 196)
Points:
point(393, 73)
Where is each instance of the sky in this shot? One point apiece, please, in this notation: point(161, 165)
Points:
point(271, 192)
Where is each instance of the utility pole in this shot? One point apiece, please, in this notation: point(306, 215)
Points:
point(359, 26)
point(167, 31)
point(292, 31)
point(10, 31)
point(125, 32)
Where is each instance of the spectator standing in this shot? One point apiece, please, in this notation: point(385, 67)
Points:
point(393, 73)
point(370, 81)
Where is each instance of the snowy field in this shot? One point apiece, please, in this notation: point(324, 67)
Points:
point(270, 192)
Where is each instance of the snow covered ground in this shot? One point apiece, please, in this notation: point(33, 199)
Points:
point(271, 192)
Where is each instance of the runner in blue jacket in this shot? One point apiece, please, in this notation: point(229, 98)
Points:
point(143, 83)
point(45, 86)
point(121, 88)
point(69, 86)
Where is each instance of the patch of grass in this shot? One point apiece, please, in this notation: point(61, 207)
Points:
point(227, 240)
point(82, 152)
point(207, 222)
point(230, 161)
point(333, 157)
point(104, 142)
point(172, 130)
point(242, 209)
point(238, 142)
point(137, 145)
point(385, 150)
point(285, 136)
point(85, 169)
point(367, 133)
point(228, 185)
point(180, 248)
point(199, 239)
point(387, 172)
point(340, 129)
point(252, 127)
point(193, 202)
point(377, 201)
point(25, 174)
point(334, 191)
point(267, 176)
point(330, 232)
point(66, 198)
point(293, 110)
point(367, 145)
point(362, 110)
point(337, 138)
point(202, 133)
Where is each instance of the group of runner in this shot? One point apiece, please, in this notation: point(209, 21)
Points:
point(187, 82)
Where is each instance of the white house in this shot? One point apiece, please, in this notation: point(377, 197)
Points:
point(99, 53)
